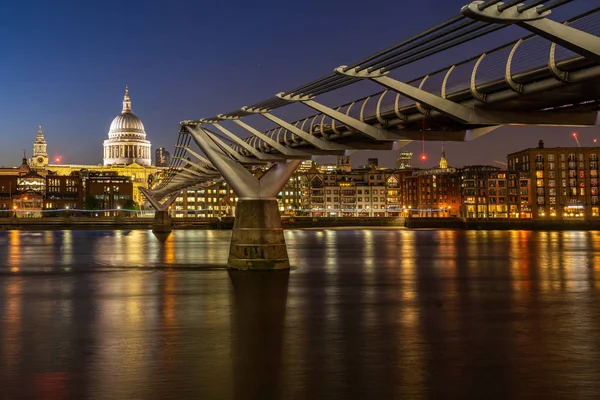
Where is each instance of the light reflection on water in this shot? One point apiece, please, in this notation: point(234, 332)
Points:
point(363, 314)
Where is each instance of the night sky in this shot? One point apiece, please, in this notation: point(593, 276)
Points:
point(65, 65)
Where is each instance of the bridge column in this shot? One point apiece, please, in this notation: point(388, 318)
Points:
point(257, 240)
point(162, 219)
point(162, 222)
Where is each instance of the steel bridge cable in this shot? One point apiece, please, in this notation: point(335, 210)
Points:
point(311, 84)
point(341, 81)
point(318, 84)
point(478, 30)
point(508, 4)
point(487, 4)
point(415, 45)
point(314, 85)
point(405, 42)
point(553, 5)
point(531, 4)
point(339, 85)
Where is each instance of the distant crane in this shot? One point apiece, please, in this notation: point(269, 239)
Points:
point(500, 162)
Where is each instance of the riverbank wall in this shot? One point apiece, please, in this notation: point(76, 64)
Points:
point(95, 223)
point(185, 223)
point(502, 224)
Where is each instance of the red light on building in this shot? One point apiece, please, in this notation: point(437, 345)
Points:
point(423, 157)
point(57, 159)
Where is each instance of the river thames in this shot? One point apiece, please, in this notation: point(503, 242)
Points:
point(377, 314)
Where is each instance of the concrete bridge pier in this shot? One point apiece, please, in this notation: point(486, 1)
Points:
point(257, 241)
point(162, 219)
point(162, 222)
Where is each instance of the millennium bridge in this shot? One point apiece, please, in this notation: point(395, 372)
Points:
point(549, 77)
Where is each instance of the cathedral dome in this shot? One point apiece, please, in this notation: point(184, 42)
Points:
point(127, 123)
point(127, 142)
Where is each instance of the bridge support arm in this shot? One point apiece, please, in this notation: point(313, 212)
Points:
point(420, 96)
point(241, 181)
point(162, 219)
point(332, 148)
point(245, 145)
point(286, 151)
point(573, 39)
point(370, 131)
point(257, 241)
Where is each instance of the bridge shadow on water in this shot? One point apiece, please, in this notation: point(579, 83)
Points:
point(257, 324)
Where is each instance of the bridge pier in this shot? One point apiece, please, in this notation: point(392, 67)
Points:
point(257, 241)
point(162, 218)
point(162, 222)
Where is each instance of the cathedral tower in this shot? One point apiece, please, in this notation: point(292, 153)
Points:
point(40, 155)
point(443, 161)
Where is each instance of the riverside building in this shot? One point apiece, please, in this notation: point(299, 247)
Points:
point(564, 180)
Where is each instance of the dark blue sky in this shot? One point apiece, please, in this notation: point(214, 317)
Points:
point(65, 65)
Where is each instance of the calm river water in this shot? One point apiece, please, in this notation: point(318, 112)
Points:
point(363, 314)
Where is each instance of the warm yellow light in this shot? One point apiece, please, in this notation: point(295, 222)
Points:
point(553, 215)
point(15, 207)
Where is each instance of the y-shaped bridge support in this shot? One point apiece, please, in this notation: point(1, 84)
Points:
point(162, 219)
point(257, 241)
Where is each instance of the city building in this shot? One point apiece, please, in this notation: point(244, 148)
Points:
point(126, 143)
point(404, 160)
point(162, 157)
point(564, 180)
point(484, 192)
point(490, 193)
point(343, 192)
point(27, 193)
point(112, 190)
point(434, 192)
point(126, 153)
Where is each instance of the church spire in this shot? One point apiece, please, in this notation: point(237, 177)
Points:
point(24, 158)
point(443, 161)
point(126, 102)
point(40, 133)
